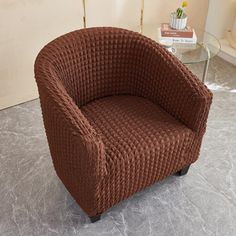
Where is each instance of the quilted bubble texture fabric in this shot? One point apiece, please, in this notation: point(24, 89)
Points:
point(120, 113)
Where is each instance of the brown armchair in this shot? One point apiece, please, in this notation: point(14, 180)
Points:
point(120, 113)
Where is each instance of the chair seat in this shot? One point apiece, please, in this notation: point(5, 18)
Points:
point(135, 129)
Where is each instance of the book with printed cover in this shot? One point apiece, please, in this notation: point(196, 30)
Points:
point(182, 40)
point(167, 31)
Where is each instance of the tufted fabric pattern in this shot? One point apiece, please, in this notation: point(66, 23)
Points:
point(141, 139)
point(120, 113)
point(133, 128)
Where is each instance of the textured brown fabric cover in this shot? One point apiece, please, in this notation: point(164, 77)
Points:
point(120, 113)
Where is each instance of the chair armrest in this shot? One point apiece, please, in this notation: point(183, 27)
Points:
point(173, 86)
point(76, 148)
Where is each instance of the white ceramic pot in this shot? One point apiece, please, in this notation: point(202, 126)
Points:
point(177, 23)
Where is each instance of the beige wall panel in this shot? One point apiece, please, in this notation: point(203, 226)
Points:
point(221, 16)
point(26, 26)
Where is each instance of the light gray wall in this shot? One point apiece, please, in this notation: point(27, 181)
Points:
point(221, 16)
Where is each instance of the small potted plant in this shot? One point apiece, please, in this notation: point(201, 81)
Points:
point(178, 19)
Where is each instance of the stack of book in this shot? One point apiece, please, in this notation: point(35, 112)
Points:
point(169, 35)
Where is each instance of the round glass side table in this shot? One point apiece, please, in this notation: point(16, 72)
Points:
point(207, 47)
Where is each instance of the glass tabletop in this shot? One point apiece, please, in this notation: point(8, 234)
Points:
point(207, 45)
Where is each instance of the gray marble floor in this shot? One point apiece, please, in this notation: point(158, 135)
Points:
point(34, 202)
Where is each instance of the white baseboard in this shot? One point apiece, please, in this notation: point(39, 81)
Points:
point(10, 100)
point(227, 52)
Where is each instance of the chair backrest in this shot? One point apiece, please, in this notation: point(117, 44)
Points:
point(97, 62)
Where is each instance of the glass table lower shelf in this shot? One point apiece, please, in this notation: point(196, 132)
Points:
point(207, 47)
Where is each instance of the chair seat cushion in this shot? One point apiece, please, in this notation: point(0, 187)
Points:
point(135, 129)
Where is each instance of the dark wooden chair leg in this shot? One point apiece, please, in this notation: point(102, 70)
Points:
point(94, 219)
point(184, 171)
